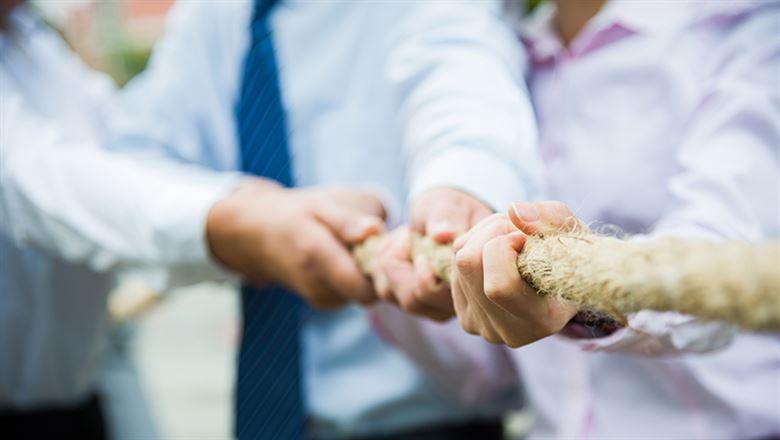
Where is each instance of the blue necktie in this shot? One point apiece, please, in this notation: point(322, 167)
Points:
point(269, 402)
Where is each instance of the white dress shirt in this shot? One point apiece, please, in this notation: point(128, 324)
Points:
point(341, 118)
point(660, 118)
point(70, 212)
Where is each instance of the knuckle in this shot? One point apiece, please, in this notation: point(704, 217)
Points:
point(497, 291)
point(491, 337)
point(384, 293)
point(513, 341)
point(467, 262)
point(410, 303)
point(307, 254)
point(441, 317)
point(468, 324)
point(494, 244)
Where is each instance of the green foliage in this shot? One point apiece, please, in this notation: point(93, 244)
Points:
point(531, 5)
point(126, 62)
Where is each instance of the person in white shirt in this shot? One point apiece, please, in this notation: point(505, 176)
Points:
point(72, 215)
point(340, 113)
point(661, 119)
point(65, 230)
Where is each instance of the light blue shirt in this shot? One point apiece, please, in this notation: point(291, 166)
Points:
point(340, 115)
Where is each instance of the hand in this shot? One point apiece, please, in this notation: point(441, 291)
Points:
point(442, 214)
point(490, 297)
point(297, 238)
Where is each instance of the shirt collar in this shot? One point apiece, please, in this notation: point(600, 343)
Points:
point(622, 18)
point(539, 35)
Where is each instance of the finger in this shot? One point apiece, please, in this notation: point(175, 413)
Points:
point(502, 282)
point(467, 270)
point(405, 288)
point(382, 284)
point(479, 213)
point(392, 266)
point(430, 290)
point(459, 300)
point(447, 221)
point(469, 258)
point(542, 217)
point(505, 288)
point(394, 263)
point(338, 270)
point(349, 226)
point(464, 238)
point(363, 201)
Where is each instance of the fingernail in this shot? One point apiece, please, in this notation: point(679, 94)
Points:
point(526, 211)
point(363, 226)
point(441, 227)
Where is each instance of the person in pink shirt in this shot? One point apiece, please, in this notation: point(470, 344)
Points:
point(659, 118)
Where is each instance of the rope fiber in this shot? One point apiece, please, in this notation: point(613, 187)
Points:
point(738, 283)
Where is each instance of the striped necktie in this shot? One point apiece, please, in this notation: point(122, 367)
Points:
point(269, 402)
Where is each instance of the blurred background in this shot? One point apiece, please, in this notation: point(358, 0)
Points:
point(114, 36)
point(169, 371)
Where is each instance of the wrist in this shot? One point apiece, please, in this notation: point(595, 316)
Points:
point(233, 228)
point(221, 230)
point(257, 186)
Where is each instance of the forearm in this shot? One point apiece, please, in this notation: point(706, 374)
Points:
point(108, 210)
point(465, 117)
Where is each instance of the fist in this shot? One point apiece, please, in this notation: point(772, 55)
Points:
point(490, 297)
point(442, 214)
point(297, 238)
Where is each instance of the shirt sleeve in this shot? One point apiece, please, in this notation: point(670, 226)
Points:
point(728, 184)
point(182, 105)
point(108, 210)
point(469, 370)
point(465, 118)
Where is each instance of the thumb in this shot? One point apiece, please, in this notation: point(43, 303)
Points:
point(543, 217)
point(349, 226)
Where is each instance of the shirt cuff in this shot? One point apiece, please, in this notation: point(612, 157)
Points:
point(478, 172)
point(182, 237)
point(650, 333)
